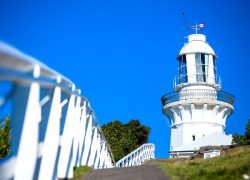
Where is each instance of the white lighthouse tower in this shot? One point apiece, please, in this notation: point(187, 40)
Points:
point(197, 109)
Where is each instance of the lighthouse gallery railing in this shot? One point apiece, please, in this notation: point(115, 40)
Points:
point(53, 127)
point(197, 94)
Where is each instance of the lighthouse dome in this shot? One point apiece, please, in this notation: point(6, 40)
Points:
point(196, 44)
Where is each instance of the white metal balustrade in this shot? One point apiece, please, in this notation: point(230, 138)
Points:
point(138, 156)
point(197, 78)
point(197, 94)
point(53, 127)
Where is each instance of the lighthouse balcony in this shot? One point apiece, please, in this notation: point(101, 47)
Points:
point(194, 79)
point(198, 94)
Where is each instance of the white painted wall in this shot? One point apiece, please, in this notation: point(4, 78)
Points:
point(176, 136)
point(198, 120)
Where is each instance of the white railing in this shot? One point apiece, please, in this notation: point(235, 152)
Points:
point(138, 156)
point(53, 127)
point(197, 78)
point(197, 94)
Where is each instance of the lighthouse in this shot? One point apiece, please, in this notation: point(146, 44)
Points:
point(197, 109)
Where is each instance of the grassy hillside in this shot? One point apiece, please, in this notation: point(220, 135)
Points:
point(232, 164)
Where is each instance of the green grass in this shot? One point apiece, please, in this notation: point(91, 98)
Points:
point(79, 172)
point(230, 165)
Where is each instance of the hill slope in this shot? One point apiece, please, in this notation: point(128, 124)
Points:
point(232, 164)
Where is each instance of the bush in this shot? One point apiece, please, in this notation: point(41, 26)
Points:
point(242, 139)
point(5, 137)
point(124, 138)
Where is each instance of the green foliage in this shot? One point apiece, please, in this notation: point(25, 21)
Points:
point(5, 138)
point(80, 172)
point(124, 138)
point(239, 140)
point(247, 133)
point(242, 139)
point(232, 164)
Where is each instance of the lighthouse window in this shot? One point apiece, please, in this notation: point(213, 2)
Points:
point(183, 69)
point(214, 63)
point(205, 68)
point(201, 61)
point(193, 137)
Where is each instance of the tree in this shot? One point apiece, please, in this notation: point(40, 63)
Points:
point(124, 138)
point(247, 133)
point(239, 140)
point(242, 139)
point(5, 137)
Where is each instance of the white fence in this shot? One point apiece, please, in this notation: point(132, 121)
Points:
point(138, 156)
point(53, 127)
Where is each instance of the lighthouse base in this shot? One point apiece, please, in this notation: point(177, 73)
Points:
point(186, 150)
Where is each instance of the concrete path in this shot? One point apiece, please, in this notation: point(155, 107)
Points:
point(148, 171)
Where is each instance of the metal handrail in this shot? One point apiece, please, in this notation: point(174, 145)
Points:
point(197, 94)
point(138, 156)
point(16, 61)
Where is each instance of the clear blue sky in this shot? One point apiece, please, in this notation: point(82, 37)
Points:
point(122, 54)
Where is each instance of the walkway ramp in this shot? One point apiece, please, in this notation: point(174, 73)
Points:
point(148, 171)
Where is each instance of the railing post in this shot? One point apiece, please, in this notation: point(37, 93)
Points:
point(106, 162)
point(132, 160)
point(93, 147)
point(100, 164)
point(82, 132)
point(127, 162)
point(26, 116)
point(106, 157)
point(146, 152)
point(49, 135)
point(25, 119)
point(87, 141)
point(143, 154)
point(98, 151)
point(138, 158)
point(64, 170)
point(76, 132)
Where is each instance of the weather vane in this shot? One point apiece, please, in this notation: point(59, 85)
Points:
point(197, 27)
